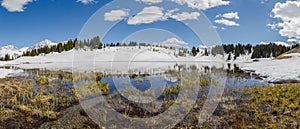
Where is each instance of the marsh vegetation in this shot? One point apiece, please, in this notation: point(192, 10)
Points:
point(48, 99)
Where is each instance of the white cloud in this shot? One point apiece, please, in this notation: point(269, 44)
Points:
point(150, 1)
point(290, 29)
point(226, 22)
point(264, 1)
point(153, 13)
point(116, 15)
point(174, 42)
point(231, 15)
point(86, 1)
point(15, 5)
point(19, 5)
point(186, 16)
point(202, 4)
point(148, 15)
point(273, 26)
point(169, 13)
point(288, 13)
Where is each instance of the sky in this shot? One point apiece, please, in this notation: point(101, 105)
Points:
point(178, 22)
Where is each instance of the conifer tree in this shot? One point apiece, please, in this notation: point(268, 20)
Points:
point(100, 45)
point(7, 57)
point(229, 57)
point(194, 51)
point(59, 48)
point(205, 52)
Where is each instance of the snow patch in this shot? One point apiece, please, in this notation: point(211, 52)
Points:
point(276, 71)
point(11, 50)
point(43, 44)
point(277, 43)
point(9, 72)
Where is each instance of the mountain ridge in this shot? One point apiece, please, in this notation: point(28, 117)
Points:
point(15, 52)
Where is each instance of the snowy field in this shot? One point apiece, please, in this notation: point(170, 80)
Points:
point(9, 72)
point(276, 71)
point(115, 59)
point(145, 60)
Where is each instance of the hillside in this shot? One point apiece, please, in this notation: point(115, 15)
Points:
point(289, 54)
point(284, 68)
point(75, 56)
point(102, 59)
point(12, 51)
point(15, 52)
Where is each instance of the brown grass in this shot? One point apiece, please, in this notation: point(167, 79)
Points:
point(282, 56)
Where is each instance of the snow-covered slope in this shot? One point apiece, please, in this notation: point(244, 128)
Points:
point(9, 72)
point(118, 59)
point(284, 70)
point(42, 44)
point(11, 50)
point(24, 49)
point(149, 59)
point(277, 43)
point(15, 52)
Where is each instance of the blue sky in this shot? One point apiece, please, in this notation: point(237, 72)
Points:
point(60, 20)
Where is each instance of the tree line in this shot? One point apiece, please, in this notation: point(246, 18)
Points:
point(6, 58)
point(69, 45)
point(233, 51)
point(269, 50)
point(92, 44)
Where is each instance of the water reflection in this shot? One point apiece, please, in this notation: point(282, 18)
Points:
point(235, 77)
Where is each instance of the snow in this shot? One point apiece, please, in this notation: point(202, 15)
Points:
point(11, 50)
point(277, 43)
point(15, 52)
point(42, 44)
point(9, 72)
point(145, 60)
point(203, 47)
point(24, 49)
point(275, 71)
point(292, 55)
point(174, 42)
point(114, 60)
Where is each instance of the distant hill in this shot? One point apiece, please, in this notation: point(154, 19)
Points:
point(42, 44)
point(277, 43)
point(289, 54)
point(12, 51)
point(15, 52)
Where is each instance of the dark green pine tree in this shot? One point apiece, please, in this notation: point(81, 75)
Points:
point(100, 45)
point(206, 52)
point(248, 47)
point(194, 51)
point(33, 52)
point(93, 44)
point(59, 48)
point(7, 57)
point(69, 45)
point(229, 57)
point(47, 50)
point(76, 44)
point(53, 48)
